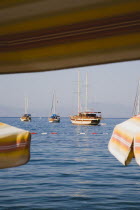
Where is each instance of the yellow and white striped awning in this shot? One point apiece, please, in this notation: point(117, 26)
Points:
point(125, 141)
point(44, 35)
point(14, 146)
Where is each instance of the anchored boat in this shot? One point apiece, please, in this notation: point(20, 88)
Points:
point(54, 117)
point(26, 117)
point(86, 117)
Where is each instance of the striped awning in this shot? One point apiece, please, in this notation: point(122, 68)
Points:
point(14, 146)
point(125, 141)
point(44, 35)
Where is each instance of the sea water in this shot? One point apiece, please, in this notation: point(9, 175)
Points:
point(70, 168)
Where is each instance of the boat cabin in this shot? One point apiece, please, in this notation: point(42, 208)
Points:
point(89, 114)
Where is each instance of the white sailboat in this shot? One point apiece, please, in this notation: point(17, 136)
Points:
point(26, 116)
point(54, 118)
point(86, 117)
point(136, 108)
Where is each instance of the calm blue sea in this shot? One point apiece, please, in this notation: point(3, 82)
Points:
point(69, 170)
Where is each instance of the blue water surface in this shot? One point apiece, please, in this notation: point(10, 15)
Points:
point(71, 169)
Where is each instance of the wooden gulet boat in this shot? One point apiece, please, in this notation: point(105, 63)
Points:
point(85, 118)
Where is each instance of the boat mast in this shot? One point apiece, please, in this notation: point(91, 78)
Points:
point(136, 109)
point(86, 108)
point(78, 91)
point(54, 103)
point(26, 105)
point(138, 99)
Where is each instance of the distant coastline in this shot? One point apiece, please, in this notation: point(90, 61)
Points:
point(68, 117)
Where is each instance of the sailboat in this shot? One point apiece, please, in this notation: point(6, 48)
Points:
point(136, 108)
point(26, 116)
point(54, 118)
point(86, 117)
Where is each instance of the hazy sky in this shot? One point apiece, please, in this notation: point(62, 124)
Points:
point(112, 90)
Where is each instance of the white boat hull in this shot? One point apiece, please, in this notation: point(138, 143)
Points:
point(54, 120)
point(27, 118)
point(85, 121)
point(24, 120)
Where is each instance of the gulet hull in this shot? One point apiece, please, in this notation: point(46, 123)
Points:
point(85, 121)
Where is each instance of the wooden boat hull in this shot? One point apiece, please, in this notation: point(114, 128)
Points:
point(79, 121)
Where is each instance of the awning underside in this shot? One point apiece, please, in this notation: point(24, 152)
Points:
point(51, 35)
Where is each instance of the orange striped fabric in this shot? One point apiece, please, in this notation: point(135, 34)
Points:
point(125, 141)
point(137, 140)
point(14, 146)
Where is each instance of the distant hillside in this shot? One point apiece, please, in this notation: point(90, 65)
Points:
point(108, 111)
point(113, 110)
point(7, 111)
